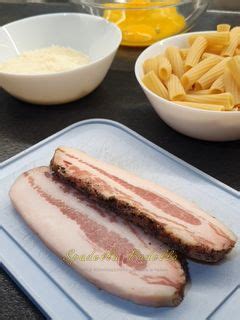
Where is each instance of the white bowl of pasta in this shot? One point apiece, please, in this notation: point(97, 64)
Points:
point(193, 105)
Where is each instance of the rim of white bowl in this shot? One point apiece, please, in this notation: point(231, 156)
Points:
point(122, 5)
point(54, 74)
point(138, 67)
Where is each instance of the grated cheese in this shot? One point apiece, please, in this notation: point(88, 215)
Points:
point(45, 60)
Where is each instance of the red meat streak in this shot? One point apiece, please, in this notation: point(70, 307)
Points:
point(98, 234)
point(164, 204)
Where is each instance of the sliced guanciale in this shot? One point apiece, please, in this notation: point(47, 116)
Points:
point(105, 249)
point(170, 218)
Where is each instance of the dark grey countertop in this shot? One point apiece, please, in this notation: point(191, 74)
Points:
point(118, 98)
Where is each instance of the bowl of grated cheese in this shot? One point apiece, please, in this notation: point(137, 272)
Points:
point(56, 58)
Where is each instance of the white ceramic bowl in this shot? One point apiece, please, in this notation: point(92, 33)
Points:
point(89, 34)
point(196, 123)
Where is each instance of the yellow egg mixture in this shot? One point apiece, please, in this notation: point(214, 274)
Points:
point(142, 27)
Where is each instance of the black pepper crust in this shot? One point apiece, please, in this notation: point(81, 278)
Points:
point(139, 218)
point(58, 172)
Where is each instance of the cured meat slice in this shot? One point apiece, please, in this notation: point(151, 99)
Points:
point(105, 249)
point(158, 211)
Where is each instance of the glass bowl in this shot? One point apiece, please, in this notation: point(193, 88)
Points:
point(144, 22)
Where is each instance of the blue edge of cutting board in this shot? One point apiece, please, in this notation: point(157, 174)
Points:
point(11, 160)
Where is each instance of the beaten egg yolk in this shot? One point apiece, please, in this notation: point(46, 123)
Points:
point(142, 27)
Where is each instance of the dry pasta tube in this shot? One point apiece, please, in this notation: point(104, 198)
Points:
point(223, 27)
point(164, 68)
point(223, 99)
point(218, 85)
point(213, 38)
point(175, 88)
point(150, 65)
point(229, 50)
point(154, 84)
point(192, 75)
point(237, 52)
point(231, 86)
point(208, 55)
point(203, 106)
point(195, 52)
point(214, 49)
point(235, 30)
point(184, 52)
point(210, 76)
point(173, 55)
point(200, 92)
point(234, 66)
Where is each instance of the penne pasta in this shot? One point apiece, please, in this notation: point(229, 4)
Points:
point(191, 76)
point(234, 66)
point(218, 85)
point(153, 83)
point(203, 106)
point(230, 49)
point(173, 55)
point(210, 76)
point(175, 88)
point(150, 65)
point(195, 52)
point(184, 52)
point(164, 68)
point(231, 86)
point(237, 52)
point(208, 55)
point(223, 27)
point(224, 99)
point(213, 38)
point(200, 92)
point(235, 30)
point(206, 75)
point(214, 49)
